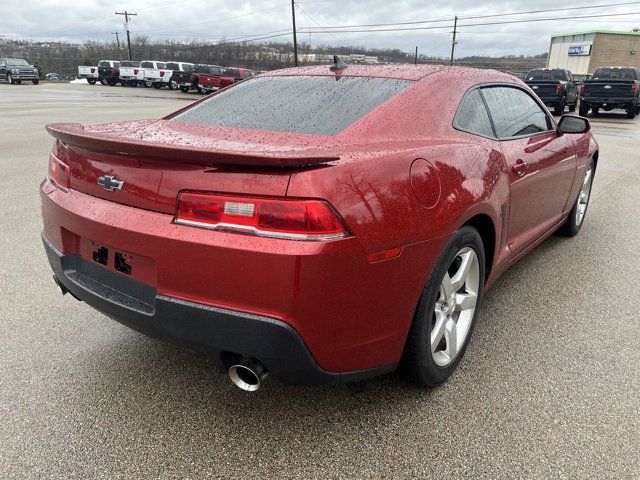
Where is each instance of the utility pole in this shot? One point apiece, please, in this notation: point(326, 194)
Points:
point(126, 27)
point(453, 44)
point(415, 59)
point(295, 39)
point(117, 34)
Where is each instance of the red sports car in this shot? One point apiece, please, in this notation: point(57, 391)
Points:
point(317, 224)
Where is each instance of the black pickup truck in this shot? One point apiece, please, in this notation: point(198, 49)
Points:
point(109, 72)
point(609, 88)
point(555, 87)
point(14, 70)
point(183, 76)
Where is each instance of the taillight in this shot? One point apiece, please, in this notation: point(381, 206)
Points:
point(634, 89)
point(560, 89)
point(58, 170)
point(93, 70)
point(161, 74)
point(135, 71)
point(582, 88)
point(291, 219)
point(114, 72)
point(192, 78)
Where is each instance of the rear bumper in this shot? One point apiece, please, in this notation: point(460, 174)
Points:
point(217, 332)
point(614, 102)
point(208, 87)
point(351, 315)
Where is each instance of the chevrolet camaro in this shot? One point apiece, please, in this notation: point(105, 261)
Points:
point(318, 224)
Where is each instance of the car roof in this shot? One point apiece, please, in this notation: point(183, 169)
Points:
point(398, 71)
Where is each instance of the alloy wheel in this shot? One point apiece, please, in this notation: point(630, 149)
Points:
point(455, 307)
point(583, 196)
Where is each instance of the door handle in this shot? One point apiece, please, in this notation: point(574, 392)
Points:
point(520, 168)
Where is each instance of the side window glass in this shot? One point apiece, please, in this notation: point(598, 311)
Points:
point(472, 115)
point(514, 112)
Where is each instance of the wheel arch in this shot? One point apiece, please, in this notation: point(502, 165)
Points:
point(485, 226)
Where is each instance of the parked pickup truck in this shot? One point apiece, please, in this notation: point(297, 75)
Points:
point(155, 73)
point(238, 73)
point(90, 73)
point(210, 78)
point(130, 73)
point(109, 72)
point(609, 88)
point(183, 76)
point(555, 87)
point(15, 70)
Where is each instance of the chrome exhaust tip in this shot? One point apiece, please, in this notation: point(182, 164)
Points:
point(62, 290)
point(248, 375)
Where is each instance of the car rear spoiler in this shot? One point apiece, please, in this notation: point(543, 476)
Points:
point(74, 134)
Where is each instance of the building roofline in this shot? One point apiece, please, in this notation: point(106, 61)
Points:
point(608, 32)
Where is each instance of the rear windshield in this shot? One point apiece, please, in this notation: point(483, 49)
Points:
point(232, 72)
point(316, 105)
point(615, 74)
point(130, 63)
point(546, 75)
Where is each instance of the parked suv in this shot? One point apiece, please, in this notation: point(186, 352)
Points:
point(14, 70)
point(610, 88)
point(555, 87)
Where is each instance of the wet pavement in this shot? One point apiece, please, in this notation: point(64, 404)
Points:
point(548, 388)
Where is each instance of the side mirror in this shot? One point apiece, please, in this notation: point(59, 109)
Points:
point(573, 124)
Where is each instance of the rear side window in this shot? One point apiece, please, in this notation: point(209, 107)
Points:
point(323, 105)
point(472, 115)
point(173, 66)
point(514, 112)
point(146, 64)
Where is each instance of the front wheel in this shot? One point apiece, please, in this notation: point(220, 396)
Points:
point(103, 81)
point(147, 84)
point(10, 79)
point(584, 110)
point(447, 311)
point(36, 81)
point(173, 85)
point(157, 85)
point(574, 221)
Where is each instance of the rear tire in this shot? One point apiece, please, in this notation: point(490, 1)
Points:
point(184, 89)
point(447, 311)
point(157, 85)
point(558, 109)
point(631, 111)
point(92, 81)
point(574, 221)
point(18, 82)
point(584, 110)
point(147, 84)
point(10, 79)
point(103, 81)
point(572, 108)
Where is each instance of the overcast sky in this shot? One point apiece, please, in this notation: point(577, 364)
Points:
point(230, 19)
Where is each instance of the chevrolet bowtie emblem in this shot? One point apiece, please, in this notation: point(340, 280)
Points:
point(110, 183)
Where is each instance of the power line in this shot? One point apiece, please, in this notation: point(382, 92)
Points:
point(440, 27)
point(444, 19)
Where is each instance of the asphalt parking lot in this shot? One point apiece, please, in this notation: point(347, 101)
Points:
point(549, 386)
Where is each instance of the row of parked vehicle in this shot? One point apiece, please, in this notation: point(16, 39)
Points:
point(609, 88)
point(155, 74)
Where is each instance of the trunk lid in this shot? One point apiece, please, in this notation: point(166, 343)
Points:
point(608, 88)
point(155, 160)
point(544, 88)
